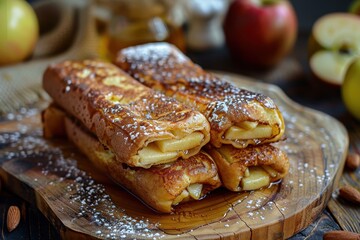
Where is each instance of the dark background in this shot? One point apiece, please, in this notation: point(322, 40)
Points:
point(310, 10)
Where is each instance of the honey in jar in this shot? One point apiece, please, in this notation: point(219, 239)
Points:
point(136, 22)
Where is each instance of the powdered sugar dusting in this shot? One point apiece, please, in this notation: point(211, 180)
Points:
point(154, 52)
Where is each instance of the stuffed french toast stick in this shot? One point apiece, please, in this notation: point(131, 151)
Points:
point(242, 123)
point(140, 126)
point(148, 143)
point(250, 168)
point(236, 116)
point(161, 187)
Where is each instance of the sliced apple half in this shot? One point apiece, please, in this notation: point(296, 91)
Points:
point(335, 43)
point(330, 66)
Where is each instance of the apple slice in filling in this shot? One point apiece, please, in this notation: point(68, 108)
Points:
point(254, 177)
point(260, 131)
point(257, 178)
point(152, 154)
point(190, 141)
point(162, 150)
point(192, 191)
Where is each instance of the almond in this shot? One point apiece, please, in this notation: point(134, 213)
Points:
point(349, 193)
point(353, 161)
point(341, 235)
point(13, 218)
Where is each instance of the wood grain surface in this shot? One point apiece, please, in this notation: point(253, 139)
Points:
point(347, 213)
point(82, 203)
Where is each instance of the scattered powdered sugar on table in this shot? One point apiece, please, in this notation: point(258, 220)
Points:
point(21, 114)
point(84, 194)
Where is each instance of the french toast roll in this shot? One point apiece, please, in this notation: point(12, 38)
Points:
point(250, 168)
point(140, 126)
point(237, 116)
point(161, 187)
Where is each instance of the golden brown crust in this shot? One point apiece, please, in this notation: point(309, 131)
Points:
point(231, 173)
point(53, 122)
point(124, 115)
point(163, 67)
point(157, 186)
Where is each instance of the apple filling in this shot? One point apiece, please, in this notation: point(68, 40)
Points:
point(152, 154)
point(190, 141)
point(258, 178)
point(248, 125)
point(255, 177)
point(248, 130)
point(162, 150)
point(193, 191)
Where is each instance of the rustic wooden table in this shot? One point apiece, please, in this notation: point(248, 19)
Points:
point(293, 77)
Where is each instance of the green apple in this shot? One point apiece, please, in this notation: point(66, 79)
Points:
point(350, 90)
point(19, 30)
point(355, 7)
point(333, 45)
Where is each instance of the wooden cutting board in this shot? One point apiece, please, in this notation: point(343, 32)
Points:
point(83, 203)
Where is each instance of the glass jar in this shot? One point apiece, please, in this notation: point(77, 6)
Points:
point(136, 22)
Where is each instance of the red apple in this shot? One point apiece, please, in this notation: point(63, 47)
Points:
point(260, 32)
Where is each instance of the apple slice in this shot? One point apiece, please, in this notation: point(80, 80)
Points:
point(337, 31)
point(336, 39)
point(330, 66)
